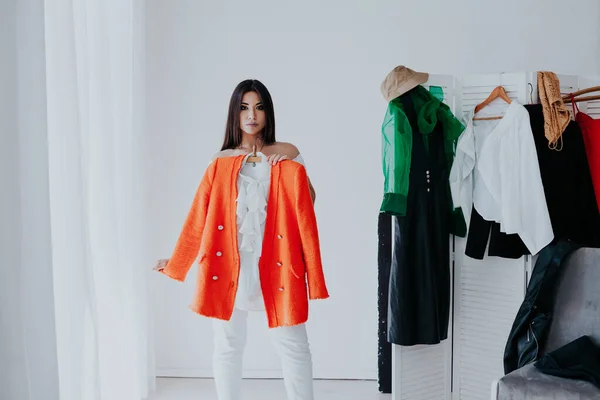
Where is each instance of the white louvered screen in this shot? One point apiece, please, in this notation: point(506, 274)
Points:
point(421, 372)
point(568, 84)
point(446, 82)
point(592, 108)
point(488, 292)
point(424, 372)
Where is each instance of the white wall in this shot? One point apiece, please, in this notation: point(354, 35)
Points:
point(323, 62)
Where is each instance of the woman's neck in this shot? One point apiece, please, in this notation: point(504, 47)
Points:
point(248, 143)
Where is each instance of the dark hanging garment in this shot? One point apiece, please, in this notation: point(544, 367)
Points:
point(420, 273)
point(501, 244)
point(579, 359)
point(384, 260)
point(567, 182)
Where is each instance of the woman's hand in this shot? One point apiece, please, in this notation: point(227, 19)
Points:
point(160, 265)
point(275, 158)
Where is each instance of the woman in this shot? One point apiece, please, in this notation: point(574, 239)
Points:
point(290, 253)
point(251, 125)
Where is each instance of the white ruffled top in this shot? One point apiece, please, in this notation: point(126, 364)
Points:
point(251, 212)
point(253, 193)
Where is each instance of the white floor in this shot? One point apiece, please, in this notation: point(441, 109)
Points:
point(265, 389)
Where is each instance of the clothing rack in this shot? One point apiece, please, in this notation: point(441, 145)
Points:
point(568, 98)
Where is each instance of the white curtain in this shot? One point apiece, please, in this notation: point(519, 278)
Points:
point(77, 276)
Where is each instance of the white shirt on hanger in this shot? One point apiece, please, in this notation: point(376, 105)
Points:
point(496, 170)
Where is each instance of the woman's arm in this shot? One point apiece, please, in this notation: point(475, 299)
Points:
point(313, 194)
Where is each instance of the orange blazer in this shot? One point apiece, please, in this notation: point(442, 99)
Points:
point(291, 257)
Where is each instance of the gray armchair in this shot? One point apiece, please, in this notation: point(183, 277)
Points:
point(576, 313)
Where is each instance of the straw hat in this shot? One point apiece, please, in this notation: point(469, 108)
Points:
point(400, 81)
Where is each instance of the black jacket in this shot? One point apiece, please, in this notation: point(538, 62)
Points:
point(579, 359)
point(529, 331)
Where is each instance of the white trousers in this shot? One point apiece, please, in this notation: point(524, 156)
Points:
point(291, 344)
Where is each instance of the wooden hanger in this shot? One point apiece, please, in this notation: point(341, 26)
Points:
point(498, 92)
point(254, 158)
point(567, 98)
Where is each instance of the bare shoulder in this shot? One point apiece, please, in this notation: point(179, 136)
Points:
point(287, 149)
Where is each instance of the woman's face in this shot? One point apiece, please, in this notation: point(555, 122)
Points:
point(252, 114)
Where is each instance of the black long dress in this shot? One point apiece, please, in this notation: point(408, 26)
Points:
point(419, 305)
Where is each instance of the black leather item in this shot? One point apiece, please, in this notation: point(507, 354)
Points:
point(579, 359)
point(384, 260)
point(530, 328)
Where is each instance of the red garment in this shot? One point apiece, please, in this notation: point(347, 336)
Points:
point(290, 266)
point(590, 128)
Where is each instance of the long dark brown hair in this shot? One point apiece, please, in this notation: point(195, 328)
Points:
point(233, 132)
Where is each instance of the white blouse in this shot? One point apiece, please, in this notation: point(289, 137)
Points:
point(251, 211)
point(496, 170)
